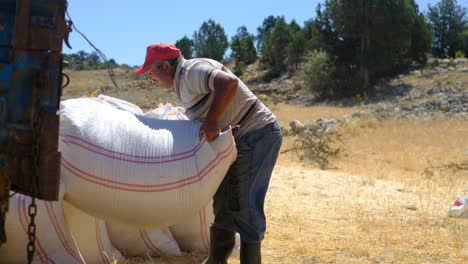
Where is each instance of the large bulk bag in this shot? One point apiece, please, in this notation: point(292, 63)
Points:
point(119, 104)
point(135, 169)
point(193, 234)
point(53, 244)
point(90, 235)
point(140, 242)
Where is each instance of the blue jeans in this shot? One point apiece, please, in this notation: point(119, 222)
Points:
point(238, 202)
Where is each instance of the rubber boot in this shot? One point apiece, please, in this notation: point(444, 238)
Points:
point(250, 253)
point(222, 242)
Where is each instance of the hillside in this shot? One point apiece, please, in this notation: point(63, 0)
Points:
point(384, 198)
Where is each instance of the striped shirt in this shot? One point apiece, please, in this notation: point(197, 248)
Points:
point(194, 85)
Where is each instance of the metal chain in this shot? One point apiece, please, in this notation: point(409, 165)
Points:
point(32, 210)
point(31, 247)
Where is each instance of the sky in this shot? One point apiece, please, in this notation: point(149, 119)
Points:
point(123, 29)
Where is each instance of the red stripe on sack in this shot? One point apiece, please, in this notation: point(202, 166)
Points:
point(196, 178)
point(124, 183)
point(45, 257)
point(144, 241)
point(145, 233)
point(194, 149)
point(457, 203)
point(128, 160)
point(59, 232)
point(99, 242)
point(147, 243)
point(169, 236)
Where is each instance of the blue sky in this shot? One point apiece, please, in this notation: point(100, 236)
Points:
point(123, 29)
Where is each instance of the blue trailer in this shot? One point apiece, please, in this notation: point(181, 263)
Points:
point(31, 38)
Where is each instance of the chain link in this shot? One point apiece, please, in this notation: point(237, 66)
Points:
point(32, 210)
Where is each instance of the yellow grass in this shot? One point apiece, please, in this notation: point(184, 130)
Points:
point(377, 207)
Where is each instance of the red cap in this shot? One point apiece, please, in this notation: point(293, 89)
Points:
point(158, 51)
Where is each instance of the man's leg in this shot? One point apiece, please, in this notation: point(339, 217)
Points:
point(222, 242)
point(245, 187)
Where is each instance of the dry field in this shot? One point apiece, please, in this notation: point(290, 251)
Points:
point(385, 201)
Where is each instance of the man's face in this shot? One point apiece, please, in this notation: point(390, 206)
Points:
point(161, 75)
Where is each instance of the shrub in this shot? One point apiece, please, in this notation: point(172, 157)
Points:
point(451, 63)
point(317, 72)
point(434, 63)
point(317, 146)
point(459, 54)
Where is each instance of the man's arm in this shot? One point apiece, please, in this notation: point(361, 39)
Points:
point(225, 88)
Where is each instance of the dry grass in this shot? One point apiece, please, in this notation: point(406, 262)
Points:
point(287, 112)
point(132, 88)
point(377, 207)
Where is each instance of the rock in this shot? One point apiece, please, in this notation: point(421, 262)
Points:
point(461, 60)
point(312, 126)
point(445, 61)
point(296, 127)
point(327, 125)
point(417, 73)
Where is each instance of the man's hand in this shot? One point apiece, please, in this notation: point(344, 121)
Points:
point(210, 129)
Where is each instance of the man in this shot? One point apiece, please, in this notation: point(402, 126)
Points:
point(214, 96)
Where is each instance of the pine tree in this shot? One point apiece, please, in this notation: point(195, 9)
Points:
point(448, 21)
point(243, 49)
point(210, 41)
point(186, 47)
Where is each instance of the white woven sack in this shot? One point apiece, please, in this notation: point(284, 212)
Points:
point(139, 242)
point(91, 236)
point(54, 244)
point(138, 170)
point(119, 104)
point(167, 112)
point(193, 234)
point(459, 208)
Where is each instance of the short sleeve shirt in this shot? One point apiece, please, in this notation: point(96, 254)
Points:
point(194, 85)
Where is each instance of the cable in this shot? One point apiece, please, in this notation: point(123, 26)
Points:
point(99, 52)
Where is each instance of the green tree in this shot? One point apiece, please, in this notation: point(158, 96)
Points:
point(310, 35)
point(368, 39)
point(264, 32)
point(381, 30)
point(464, 42)
point(317, 73)
point(186, 47)
point(210, 41)
point(296, 47)
point(243, 49)
point(447, 20)
point(421, 37)
point(263, 39)
point(93, 61)
point(324, 31)
point(279, 39)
